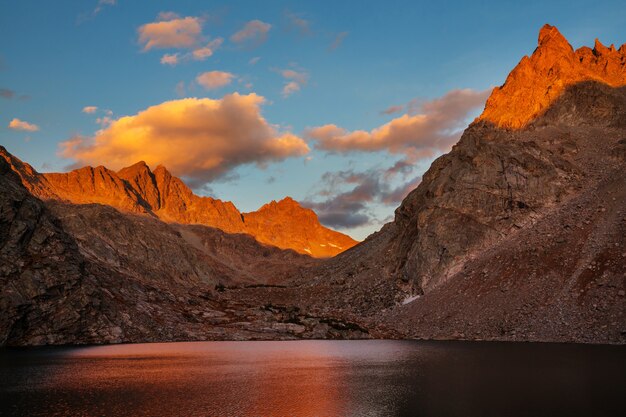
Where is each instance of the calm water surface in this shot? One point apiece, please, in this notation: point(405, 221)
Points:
point(315, 378)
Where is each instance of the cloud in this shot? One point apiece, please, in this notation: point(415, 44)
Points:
point(198, 54)
point(336, 43)
point(253, 61)
point(6, 93)
point(294, 81)
point(197, 138)
point(89, 109)
point(212, 80)
point(104, 121)
point(171, 31)
point(393, 110)
point(10, 94)
point(253, 34)
point(165, 16)
point(202, 53)
point(433, 130)
point(169, 59)
point(298, 24)
point(351, 208)
point(289, 88)
point(17, 124)
point(101, 4)
point(180, 89)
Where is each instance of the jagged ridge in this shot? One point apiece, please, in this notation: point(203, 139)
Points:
point(158, 193)
point(537, 81)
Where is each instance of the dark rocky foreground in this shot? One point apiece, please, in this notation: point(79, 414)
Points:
point(516, 234)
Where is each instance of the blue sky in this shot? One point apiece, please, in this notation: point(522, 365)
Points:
point(58, 57)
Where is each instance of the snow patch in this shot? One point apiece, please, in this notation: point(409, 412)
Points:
point(410, 299)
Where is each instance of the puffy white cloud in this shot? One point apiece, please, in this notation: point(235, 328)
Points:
point(430, 127)
point(17, 124)
point(90, 109)
point(171, 32)
point(212, 80)
point(252, 34)
point(198, 138)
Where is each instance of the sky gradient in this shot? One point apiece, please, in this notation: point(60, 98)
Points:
point(341, 107)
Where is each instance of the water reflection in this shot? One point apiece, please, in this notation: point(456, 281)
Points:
point(313, 378)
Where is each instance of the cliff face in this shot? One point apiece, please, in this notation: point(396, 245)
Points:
point(537, 81)
point(137, 189)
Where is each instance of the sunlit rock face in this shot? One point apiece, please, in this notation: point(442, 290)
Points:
point(286, 224)
point(138, 189)
point(537, 81)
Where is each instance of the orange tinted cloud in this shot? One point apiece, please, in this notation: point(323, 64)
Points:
point(202, 53)
point(171, 32)
point(392, 110)
point(198, 138)
point(253, 33)
point(212, 80)
point(90, 109)
point(169, 59)
point(429, 127)
point(294, 81)
point(17, 124)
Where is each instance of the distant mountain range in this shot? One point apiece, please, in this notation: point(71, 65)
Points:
point(518, 233)
point(137, 189)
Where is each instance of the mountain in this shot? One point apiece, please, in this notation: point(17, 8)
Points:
point(517, 234)
point(137, 189)
point(286, 224)
point(89, 273)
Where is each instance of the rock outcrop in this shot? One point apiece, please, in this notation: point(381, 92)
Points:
point(137, 189)
point(537, 81)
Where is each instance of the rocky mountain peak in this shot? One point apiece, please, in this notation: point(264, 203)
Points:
point(287, 206)
point(537, 81)
point(550, 37)
point(280, 223)
point(143, 181)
